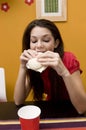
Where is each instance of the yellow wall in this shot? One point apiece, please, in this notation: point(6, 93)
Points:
point(13, 23)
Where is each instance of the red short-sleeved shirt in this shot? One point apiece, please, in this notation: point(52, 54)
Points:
point(72, 64)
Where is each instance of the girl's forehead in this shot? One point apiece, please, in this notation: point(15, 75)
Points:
point(37, 28)
point(40, 31)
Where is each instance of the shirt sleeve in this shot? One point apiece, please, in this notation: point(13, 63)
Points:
point(71, 62)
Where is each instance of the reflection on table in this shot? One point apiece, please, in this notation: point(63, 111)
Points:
point(78, 123)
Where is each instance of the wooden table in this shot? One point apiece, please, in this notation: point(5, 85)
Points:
point(8, 110)
point(54, 116)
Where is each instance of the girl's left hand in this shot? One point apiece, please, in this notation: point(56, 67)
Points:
point(53, 60)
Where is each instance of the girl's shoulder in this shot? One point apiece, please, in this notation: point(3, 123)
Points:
point(71, 62)
point(69, 55)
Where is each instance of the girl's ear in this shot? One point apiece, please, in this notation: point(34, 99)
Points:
point(56, 43)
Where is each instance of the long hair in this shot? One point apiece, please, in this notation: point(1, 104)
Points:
point(35, 77)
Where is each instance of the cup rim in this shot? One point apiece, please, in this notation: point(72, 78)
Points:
point(22, 115)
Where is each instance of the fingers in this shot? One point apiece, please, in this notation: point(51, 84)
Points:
point(49, 58)
point(28, 54)
point(31, 53)
point(47, 54)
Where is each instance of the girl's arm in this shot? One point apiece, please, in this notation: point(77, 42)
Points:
point(76, 91)
point(22, 87)
point(72, 81)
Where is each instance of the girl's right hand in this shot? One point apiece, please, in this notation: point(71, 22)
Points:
point(27, 55)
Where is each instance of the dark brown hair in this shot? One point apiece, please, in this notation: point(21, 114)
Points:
point(35, 78)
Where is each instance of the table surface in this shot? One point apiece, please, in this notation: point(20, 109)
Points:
point(8, 110)
point(58, 116)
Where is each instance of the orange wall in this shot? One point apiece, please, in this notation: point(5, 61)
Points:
point(13, 23)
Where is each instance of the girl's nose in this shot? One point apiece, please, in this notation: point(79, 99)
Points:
point(39, 44)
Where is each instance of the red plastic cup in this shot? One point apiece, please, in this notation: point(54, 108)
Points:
point(29, 117)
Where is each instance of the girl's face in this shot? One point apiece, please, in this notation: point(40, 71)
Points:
point(42, 40)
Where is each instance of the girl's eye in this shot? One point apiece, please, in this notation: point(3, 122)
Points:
point(34, 41)
point(46, 40)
